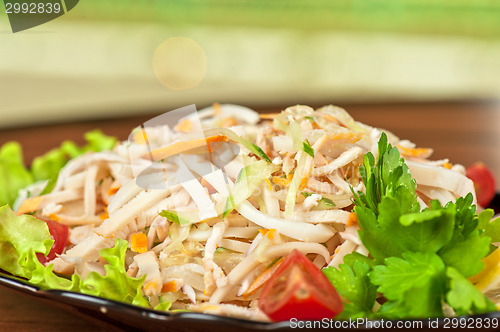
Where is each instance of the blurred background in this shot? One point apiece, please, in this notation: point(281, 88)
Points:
point(112, 59)
point(98, 59)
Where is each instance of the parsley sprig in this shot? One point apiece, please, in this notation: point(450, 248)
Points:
point(419, 260)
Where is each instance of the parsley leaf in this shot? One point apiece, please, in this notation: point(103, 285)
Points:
point(488, 227)
point(467, 246)
point(324, 203)
point(428, 230)
point(421, 259)
point(389, 215)
point(466, 255)
point(464, 297)
point(415, 282)
point(389, 177)
point(375, 237)
point(306, 146)
point(258, 152)
point(352, 283)
point(328, 202)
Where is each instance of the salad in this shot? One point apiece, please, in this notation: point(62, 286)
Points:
point(304, 214)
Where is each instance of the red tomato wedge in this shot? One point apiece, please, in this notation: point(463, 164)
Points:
point(484, 183)
point(58, 233)
point(298, 289)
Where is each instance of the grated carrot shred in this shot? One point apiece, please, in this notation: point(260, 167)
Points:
point(109, 236)
point(184, 126)
point(352, 220)
point(105, 215)
point(269, 185)
point(214, 139)
point(268, 116)
point(261, 279)
point(216, 108)
point(139, 242)
point(269, 233)
point(229, 122)
point(54, 217)
point(319, 159)
point(150, 286)
point(284, 182)
point(303, 182)
point(315, 125)
point(30, 205)
point(210, 189)
point(329, 117)
point(140, 137)
point(417, 152)
point(349, 136)
point(169, 287)
point(113, 190)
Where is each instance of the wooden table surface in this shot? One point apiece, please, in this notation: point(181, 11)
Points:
point(464, 132)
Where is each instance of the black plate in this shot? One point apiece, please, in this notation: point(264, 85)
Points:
point(122, 316)
point(133, 318)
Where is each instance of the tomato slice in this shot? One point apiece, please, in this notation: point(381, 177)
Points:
point(298, 289)
point(58, 233)
point(484, 183)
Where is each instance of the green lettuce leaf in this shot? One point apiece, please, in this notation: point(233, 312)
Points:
point(21, 237)
point(14, 175)
point(163, 306)
point(116, 284)
point(48, 165)
point(97, 141)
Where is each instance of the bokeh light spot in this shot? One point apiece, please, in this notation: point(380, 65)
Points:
point(179, 63)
